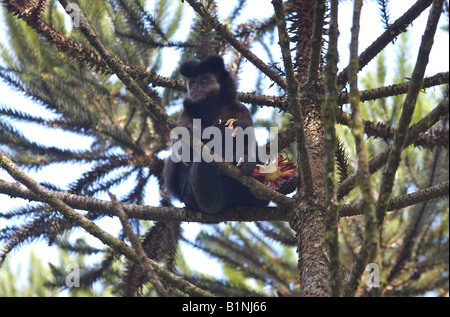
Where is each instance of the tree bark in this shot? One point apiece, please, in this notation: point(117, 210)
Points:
point(309, 217)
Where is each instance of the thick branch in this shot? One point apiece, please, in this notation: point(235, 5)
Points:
point(98, 206)
point(262, 100)
point(369, 252)
point(397, 89)
point(402, 201)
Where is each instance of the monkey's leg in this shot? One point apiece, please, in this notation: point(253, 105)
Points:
point(208, 187)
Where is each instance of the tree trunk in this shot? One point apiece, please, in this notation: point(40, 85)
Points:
point(309, 221)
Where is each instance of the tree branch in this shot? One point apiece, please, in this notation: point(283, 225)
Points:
point(137, 246)
point(369, 252)
point(82, 54)
point(397, 89)
point(262, 100)
point(379, 129)
point(98, 206)
point(402, 201)
point(241, 214)
point(387, 180)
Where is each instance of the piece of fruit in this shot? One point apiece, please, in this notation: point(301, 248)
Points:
point(282, 177)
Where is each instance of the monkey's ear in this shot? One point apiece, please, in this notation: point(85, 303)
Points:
point(212, 64)
point(190, 68)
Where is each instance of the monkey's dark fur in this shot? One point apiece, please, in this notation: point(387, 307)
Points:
point(211, 97)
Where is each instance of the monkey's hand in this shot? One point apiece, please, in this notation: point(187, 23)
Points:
point(230, 122)
point(229, 125)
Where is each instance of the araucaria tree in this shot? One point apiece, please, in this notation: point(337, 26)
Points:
point(372, 158)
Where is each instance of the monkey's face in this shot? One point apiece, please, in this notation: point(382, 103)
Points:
point(202, 86)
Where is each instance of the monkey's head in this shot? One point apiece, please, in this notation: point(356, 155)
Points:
point(208, 78)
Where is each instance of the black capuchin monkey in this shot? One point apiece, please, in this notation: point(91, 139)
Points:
point(212, 98)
